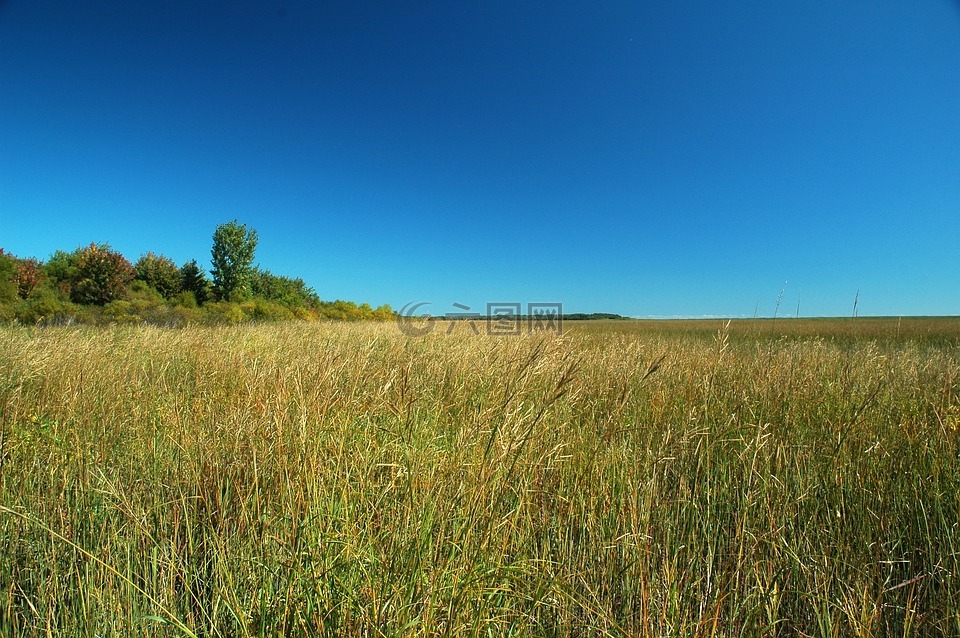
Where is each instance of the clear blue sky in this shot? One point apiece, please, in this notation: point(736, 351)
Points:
point(646, 158)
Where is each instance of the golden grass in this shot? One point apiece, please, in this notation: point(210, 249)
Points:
point(342, 479)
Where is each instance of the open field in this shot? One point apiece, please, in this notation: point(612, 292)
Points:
point(797, 477)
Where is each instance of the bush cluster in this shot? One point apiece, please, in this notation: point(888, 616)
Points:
point(95, 284)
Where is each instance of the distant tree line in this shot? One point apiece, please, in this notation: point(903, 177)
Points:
point(581, 316)
point(574, 316)
point(96, 284)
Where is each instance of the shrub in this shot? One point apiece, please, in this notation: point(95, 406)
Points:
point(182, 315)
point(341, 310)
point(304, 314)
point(264, 310)
point(120, 311)
point(185, 299)
point(228, 312)
point(8, 291)
point(139, 289)
point(46, 306)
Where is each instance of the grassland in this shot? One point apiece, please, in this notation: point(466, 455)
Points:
point(625, 478)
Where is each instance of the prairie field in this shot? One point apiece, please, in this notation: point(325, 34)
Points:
point(624, 478)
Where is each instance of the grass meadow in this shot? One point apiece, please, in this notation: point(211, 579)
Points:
point(625, 478)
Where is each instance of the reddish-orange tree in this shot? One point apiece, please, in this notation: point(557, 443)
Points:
point(28, 276)
point(102, 275)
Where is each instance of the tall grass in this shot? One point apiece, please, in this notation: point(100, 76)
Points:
point(339, 479)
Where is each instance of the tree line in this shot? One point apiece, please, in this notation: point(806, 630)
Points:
point(97, 284)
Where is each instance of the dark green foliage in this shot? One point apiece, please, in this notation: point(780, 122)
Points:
point(61, 269)
point(159, 272)
point(194, 280)
point(141, 304)
point(234, 246)
point(8, 264)
point(46, 305)
point(580, 316)
point(284, 290)
point(8, 274)
point(8, 291)
point(185, 299)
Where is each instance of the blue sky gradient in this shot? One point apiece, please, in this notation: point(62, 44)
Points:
point(650, 159)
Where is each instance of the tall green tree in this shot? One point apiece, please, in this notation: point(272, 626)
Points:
point(234, 246)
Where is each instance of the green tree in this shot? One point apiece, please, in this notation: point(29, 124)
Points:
point(159, 272)
point(383, 313)
point(61, 270)
point(8, 277)
point(194, 280)
point(293, 293)
point(233, 250)
point(8, 264)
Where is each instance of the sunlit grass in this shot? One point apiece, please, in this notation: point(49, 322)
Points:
point(625, 478)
